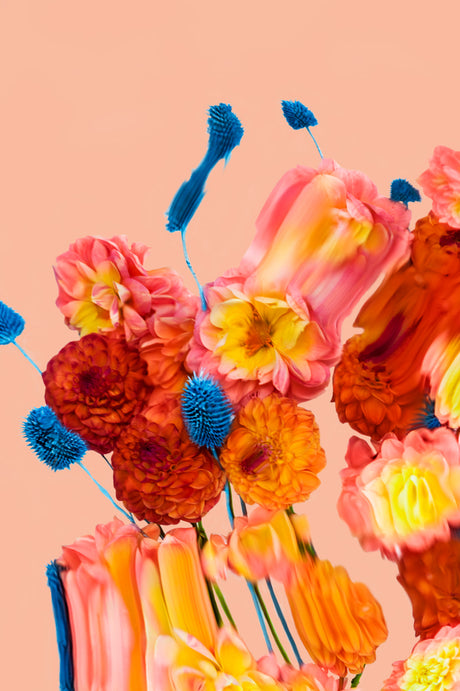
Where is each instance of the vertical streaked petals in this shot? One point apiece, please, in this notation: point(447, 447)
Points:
point(184, 587)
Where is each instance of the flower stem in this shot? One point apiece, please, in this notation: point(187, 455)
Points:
point(228, 497)
point(224, 605)
point(204, 306)
point(215, 609)
point(283, 621)
point(106, 494)
point(270, 623)
point(259, 611)
point(243, 507)
point(27, 357)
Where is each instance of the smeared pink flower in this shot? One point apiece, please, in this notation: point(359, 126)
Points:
point(327, 235)
point(104, 286)
point(309, 677)
point(433, 665)
point(407, 495)
point(441, 182)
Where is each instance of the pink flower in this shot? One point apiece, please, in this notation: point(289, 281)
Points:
point(325, 234)
point(407, 495)
point(434, 664)
point(103, 286)
point(441, 182)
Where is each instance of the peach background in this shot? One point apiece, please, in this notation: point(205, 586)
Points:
point(103, 109)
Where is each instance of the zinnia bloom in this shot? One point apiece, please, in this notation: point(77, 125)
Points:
point(257, 343)
point(432, 581)
point(161, 476)
point(273, 455)
point(339, 622)
point(95, 386)
point(441, 182)
point(433, 665)
point(407, 495)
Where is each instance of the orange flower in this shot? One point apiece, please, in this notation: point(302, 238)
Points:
point(366, 397)
point(273, 454)
point(161, 476)
point(95, 386)
point(432, 581)
point(339, 622)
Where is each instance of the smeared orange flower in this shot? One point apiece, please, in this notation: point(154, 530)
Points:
point(339, 622)
point(432, 581)
point(366, 397)
point(273, 454)
point(161, 476)
point(95, 386)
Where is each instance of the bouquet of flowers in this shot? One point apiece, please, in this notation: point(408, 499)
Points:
point(195, 397)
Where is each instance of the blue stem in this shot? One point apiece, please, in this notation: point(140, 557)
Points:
point(27, 357)
point(204, 306)
point(283, 621)
point(106, 494)
point(243, 507)
point(228, 497)
point(260, 616)
point(316, 143)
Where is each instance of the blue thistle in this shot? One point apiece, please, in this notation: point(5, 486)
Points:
point(426, 417)
point(225, 133)
point(297, 115)
point(11, 324)
point(403, 191)
point(62, 623)
point(53, 443)
point(206, 411)
point(300, 117)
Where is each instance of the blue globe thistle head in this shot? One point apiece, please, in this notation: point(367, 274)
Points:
point(11, 324)
point(403, 191)
point(206, 411)
point(297, 115)
point(426, 416)
point(53, 443)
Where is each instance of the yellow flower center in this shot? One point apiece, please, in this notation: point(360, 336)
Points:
point(438, 672)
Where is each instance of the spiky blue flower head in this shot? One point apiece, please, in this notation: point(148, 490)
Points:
point(11, 324)
point(297, 115)
point(206, 411)
point(426, 417)
point(403, 191)
point(53, 443)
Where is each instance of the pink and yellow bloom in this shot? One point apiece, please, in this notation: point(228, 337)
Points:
point(407, 495)
point(441, 182)
point(433, 665)
point(442, 366)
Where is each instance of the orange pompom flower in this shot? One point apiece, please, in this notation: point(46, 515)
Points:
point(95, 386)
point(273, 455)
point(339, 622)
point(432, 581)
point(161, 476)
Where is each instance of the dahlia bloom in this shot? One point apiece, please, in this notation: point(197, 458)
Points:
point(96, 386)
point(327, 235)
point(433, 665)
point(103, 286)
point(261, 344)
point(273, 454)
point(124, 592)
point(339, 622)
point(161, 476)
point(181, 662)
point(407, 495)
point(432, 581)
point(441, 182)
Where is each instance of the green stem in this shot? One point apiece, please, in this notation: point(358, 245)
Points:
point(270, 624)
point(217, 615)
point(224, 605)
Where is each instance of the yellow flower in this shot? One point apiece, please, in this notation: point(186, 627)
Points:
point(339, 622)
point(273, 454)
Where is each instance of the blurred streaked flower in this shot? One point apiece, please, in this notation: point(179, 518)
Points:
point(433, 665)
point(339, 621)
point(441, 182)
point(407, 495)
point(161, 476)
point(95, 386)
point(273, 454)
point(432, 581)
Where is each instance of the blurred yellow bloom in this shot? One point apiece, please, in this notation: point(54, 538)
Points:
point(339, 622)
